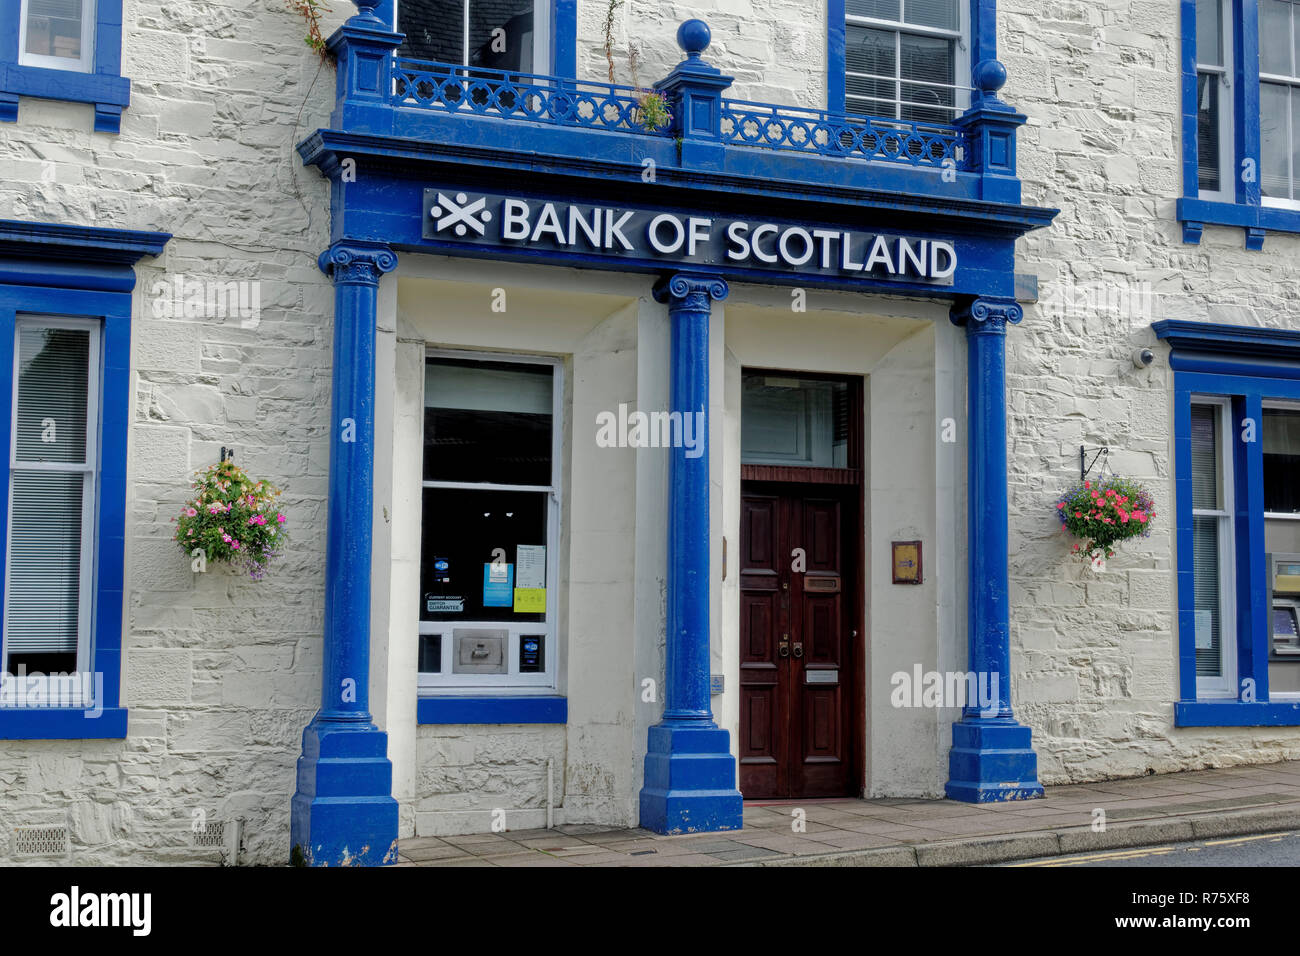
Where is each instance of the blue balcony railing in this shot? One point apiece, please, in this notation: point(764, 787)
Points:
point(804, 130)
point(693, 125)
point(529, 97)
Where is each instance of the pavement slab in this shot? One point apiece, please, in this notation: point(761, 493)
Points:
point(909, 831)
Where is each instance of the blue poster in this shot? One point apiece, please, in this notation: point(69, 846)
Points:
point(498, 585)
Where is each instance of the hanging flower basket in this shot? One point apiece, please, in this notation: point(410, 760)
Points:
point(233, 520)
point(1104, 512)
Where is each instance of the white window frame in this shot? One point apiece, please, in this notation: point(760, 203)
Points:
point(961, 63)
point(1225, 685)
point(1227, 148)
point(84, 64)
point(541, 34)
point(89, 495)
point(512, 682)
point(1293, 86)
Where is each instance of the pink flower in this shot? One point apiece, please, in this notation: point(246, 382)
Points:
point(279, 518)
point(1078, 514)
point(1060, 505)
point(236, 545)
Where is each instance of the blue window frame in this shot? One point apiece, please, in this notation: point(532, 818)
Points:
point(1240, 117)
point(1231, 384)
point(77, 280)
point(866, 75)
point(93, 74)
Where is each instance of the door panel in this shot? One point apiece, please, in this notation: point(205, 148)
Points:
point(795, 650)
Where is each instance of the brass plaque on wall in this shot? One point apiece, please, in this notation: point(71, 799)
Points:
point(907, 562)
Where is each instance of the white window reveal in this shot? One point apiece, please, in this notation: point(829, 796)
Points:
point(52, 495)
point(509, 35)
point(490, 520)
point(903, 59)
point(1214, 607)
point(58, 34)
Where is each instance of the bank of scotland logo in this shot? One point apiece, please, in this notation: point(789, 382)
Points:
point(461, 214)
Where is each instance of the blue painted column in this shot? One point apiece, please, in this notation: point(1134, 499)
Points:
point(343, 812)
point(690, 774)
point(991, 757)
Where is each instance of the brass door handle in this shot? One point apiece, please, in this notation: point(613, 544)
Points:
point(798, 649)
point(784, 648)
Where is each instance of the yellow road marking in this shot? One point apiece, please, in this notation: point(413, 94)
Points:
point(1111, 855)
point(1265, 836)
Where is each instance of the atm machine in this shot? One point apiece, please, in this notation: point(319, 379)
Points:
point(1284, 618)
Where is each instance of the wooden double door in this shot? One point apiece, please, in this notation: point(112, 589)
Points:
point(799, 656)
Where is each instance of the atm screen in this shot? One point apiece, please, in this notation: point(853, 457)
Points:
point(1286, 632)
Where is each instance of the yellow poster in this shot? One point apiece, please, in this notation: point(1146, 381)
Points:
point(530, 600)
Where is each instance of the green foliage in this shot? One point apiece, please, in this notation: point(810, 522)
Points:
point(1103, 512)
point(233, 518)
point(310, 11)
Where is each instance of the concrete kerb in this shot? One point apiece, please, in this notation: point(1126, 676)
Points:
point(1004, 848)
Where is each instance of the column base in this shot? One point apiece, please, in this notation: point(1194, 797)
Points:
point(343, 813)
point(991, 760)
point(690, 781)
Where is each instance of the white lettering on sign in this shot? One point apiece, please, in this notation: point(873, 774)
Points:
point(688, 239)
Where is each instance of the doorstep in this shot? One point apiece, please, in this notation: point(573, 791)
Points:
point(904, 832)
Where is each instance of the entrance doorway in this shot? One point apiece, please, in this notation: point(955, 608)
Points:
point(802, 713)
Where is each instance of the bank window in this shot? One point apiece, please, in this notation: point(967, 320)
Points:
point(489, 524)
point(52, 474)
point(1212, 549)
point(509, 35)
point(1281, 443)
point(1213, 95)
point(902, 59)
point(58, 34)
point(793, 421)
point(1279, 101)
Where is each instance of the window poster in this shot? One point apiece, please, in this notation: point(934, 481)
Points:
point(532, 566)
point(498, 584)
point(530, 600)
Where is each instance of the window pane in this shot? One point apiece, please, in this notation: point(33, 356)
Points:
point(53, 368)
point(1208, 119)
point(880, 9)
point(462, 530)
point(931, 13)
point(1205, 566)
point(1275, 147)
point(929, 59)
point(1275, 37)
point(487, 422)
point(871, 52)
point(1209, 32)
point(1282, 460)
point(44, 563)
point(1205, 462)
point(792, 421)
point(54, 28)
point(501, 34)
point(435, 29)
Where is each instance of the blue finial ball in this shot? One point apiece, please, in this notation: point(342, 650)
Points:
point(693, 36)
point(990, 76)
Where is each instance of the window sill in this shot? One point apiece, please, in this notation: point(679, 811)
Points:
point(1235, 713)
point(109, 94)
point(1194, 214)
point(62, 723)
point(492, 710)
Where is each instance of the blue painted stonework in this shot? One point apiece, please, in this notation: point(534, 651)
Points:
point(104, 87)
point(82, 271)
point(343, 812)
point(991, 757)
point(408, 127)
point(690, 775)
